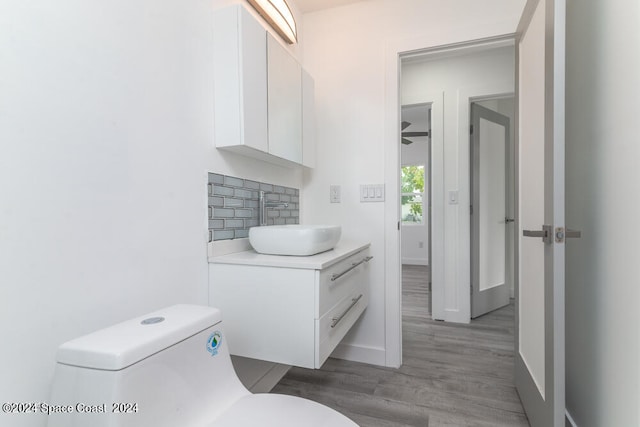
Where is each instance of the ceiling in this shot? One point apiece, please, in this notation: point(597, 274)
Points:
point(417, 115)
point(306, 6)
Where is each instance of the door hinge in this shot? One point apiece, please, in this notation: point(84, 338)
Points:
point(471, 209)
point(398, 225)
point(471, 129)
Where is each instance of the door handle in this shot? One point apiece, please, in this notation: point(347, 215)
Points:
point(545, 233)
point(572, 234)
point(562, 234)
point(548, 235)
point(535, 233)
point(508, 220)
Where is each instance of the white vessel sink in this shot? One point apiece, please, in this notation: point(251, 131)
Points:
point(299, 240)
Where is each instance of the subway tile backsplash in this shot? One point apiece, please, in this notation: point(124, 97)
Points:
point(234, 203)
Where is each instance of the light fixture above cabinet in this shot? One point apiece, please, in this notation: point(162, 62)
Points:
point(278, 14)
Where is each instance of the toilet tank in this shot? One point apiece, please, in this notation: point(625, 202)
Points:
point(168, 368)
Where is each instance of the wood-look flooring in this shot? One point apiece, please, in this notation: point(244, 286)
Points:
point(452, 374)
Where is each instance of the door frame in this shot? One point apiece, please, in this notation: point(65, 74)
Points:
point(395, 51)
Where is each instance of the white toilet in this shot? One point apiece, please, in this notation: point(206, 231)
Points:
point(169, 368)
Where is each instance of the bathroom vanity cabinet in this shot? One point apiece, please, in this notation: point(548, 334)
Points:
point(290, 310)
point(263, 99)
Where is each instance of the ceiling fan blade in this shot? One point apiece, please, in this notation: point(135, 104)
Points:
point(413, 134)
point(406, 141)
point(405, 125)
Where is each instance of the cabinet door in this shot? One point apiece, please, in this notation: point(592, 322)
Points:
point(308, 121)
point(240, 80)
point(254, 82)
point(284, 83)
point(267, 311)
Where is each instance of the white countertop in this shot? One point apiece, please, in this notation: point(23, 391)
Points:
point(313, 262)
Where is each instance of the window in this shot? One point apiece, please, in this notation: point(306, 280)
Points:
point(412, 194)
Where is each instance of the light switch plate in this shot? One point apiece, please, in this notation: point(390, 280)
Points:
point(372, 193)
point(334, 194)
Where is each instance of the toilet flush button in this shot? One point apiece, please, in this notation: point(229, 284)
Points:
point(152, 320)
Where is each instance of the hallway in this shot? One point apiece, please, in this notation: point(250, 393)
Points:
point(452, 374)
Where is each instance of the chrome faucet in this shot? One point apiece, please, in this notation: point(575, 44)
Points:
point(262, 213)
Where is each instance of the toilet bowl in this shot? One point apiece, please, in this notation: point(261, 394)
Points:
point(169, 368)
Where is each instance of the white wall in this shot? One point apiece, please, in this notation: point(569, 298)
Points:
point(458, 78)
point(602, 187)
point(350, 51)
point(105, 143)
point(415, 244)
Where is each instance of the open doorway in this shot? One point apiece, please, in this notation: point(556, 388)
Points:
point(415, 209)
point(450, 80)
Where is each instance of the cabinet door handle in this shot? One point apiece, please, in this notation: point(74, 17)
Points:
point(354, 265)
point(336, 320)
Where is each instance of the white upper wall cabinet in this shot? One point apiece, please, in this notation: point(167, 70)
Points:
point(308, 121)
point(284, 94)
point(240, 81)
point(259, 93)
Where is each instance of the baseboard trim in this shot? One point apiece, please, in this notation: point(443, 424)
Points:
point(362, 354)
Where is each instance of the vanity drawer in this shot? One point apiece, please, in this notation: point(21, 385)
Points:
point(335, 323)
point(338, 281)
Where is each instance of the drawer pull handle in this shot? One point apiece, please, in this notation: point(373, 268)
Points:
point(354, 265)
point(336, 320)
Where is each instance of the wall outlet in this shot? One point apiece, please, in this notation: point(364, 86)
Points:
point(334, 194)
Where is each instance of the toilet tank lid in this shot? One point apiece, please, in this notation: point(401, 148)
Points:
point(126, 343)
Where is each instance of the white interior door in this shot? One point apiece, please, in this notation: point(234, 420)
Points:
point(540, 216)
point(490, 154)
